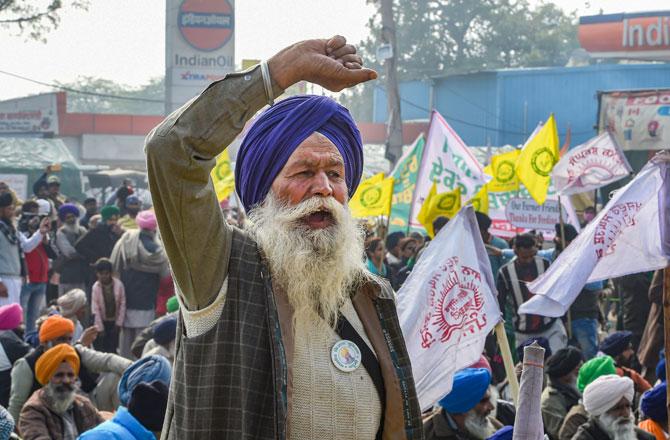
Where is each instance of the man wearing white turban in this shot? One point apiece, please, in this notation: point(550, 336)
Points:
point(72, 306)
point(608, 401)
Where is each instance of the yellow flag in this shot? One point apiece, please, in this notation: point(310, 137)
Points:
point(537, 159)
point(438, 205)
point(373, 197)
point(223, 177)
point(502, 171)
point(480, 201)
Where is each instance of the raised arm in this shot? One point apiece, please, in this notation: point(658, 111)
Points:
point(181, 153)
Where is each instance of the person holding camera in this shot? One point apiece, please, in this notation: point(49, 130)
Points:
point(13, 244)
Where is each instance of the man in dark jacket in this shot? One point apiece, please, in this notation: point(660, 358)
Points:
point(99, 242)
point(608, 401)
point(73, 268)
point(561, 393)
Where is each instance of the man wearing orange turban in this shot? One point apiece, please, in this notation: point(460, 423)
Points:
point(57, 330)
point(56, 411)
point(50, 361)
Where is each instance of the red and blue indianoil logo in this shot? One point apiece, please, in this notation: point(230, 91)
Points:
point(206, 25)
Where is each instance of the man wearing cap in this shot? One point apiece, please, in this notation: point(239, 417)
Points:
point(590, 371)
point(162, 343)
point(12, 347)
point(56, 411)
point(318, 352)
point(53, 185)
point(58, 330)
point(141, 341)
point(561, 393)
point(654, 409)
point(33, 292)
point(618, 345)
point(72, 267)
point(133, 207)
point(465, 411)
point(141, 261)
point(608, 401)
point(13, 244)
point(99, 241)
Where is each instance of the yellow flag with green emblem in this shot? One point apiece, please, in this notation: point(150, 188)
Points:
point(480, 201)
point(502, 169)
point(438, 205)
point(373, 197)
point(537, 159)
point(223, 177)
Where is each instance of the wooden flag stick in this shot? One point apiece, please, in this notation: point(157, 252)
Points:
point(666, 326)
point(507, 360)
point(562, 223)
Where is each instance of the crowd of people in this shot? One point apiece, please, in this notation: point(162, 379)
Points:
point(607, 337)
point(87, 316)
point(287, 329)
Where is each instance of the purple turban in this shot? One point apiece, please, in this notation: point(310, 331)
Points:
point(67, 208)
point(279, 130)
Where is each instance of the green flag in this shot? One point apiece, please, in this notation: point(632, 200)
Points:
point(404, 176)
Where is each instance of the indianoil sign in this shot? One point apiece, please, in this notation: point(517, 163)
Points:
point(644, 35)
point(199, 47)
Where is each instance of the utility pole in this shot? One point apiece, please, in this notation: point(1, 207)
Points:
point(394, 124)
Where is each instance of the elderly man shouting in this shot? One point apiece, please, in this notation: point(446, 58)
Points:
point(282, 333)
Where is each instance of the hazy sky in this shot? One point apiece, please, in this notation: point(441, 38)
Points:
point(124, 40)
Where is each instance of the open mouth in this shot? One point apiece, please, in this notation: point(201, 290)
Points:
point(322, 218)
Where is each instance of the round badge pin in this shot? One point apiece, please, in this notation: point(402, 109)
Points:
point(346, 356)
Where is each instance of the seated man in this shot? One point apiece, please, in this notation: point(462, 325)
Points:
point(163, 341)
point(653, 407)
point(142, 420)
point(56, 411)
point(618, 345)
point(58, 330)
point(466, 410)
point(561, 393)
point(608, 401)
point(590, 371)
point(12, 346)
point(72, 306)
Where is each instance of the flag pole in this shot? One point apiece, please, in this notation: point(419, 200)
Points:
point(506, 353)
point(666, 325)
point(562, 223)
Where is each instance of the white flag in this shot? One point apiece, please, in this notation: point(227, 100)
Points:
point(447, 306)
point(590, 166)
point(447, 161)
point(629, 235)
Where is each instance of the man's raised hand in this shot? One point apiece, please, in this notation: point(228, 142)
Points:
point(332, 64)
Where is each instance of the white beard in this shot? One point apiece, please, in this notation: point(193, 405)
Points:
point(615, 429)
point(315, 267)
point(478, 426)
point(60, 401)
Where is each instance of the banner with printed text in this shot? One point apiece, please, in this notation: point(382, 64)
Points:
point(637, 120)
point(404, 183)
point(448, 162)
